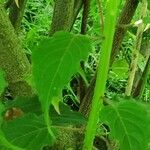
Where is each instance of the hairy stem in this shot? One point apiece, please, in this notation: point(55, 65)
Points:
point(103, 67)
point(125, 18)
point(12, 58)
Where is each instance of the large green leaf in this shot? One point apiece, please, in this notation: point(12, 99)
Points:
point(55, 60)
point(32, 105)
point(28, 132)
point(128, 122)
point(66, 117)
point(26, 104)
point(30, 126)
point(3, 140)
point(148, 4)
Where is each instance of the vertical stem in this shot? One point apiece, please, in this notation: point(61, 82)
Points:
point(12, 58)
point(86, 7)
point(99, 2)
point(125, 18)
point(62, 16)
point(144, 77)
point(141, 84)
point(97, 102)
point(136, 50)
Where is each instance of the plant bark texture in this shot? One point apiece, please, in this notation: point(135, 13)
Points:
point(62, 16)
point(12, 58)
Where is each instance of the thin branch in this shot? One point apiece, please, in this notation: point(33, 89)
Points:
point(101, 14)
point(136, 50)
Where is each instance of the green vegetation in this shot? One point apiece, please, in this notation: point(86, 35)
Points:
point(74, 75)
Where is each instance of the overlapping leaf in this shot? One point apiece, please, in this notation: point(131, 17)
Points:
point(55, 60)
point(26, 104)
point(3, 141)
point(32, 105)
point(66, 117)
point(128, 122)
point(28, 132)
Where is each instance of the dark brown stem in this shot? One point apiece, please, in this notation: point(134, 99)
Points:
point(62, 20)
point(86, 7)
point(125, 18)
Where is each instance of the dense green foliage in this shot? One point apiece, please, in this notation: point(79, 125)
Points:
point(66, 68)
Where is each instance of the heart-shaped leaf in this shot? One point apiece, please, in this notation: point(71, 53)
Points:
point(28, 132)
point(66, 117)
point(4, 143)
point(26, 104)
point(55, 60)
point(128, 122)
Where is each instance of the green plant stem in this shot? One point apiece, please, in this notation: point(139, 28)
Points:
point(135, 54)
point(144, 77)
point(125, 17)
point(99, 2)
point(97, 102)
point(142, 82)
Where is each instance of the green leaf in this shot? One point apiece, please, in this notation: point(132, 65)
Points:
point(147, 108)
point(120, 68)
point(148, 4)
point(66, 117)
point(32, 105)
point(3, 83)
point(128, 122)
point(55, 103)
point(26, 104)
point(28, 132)
point(55, 60)
point(17, 3)
point(30, 126)
point(1, 112)
point(3, 140)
